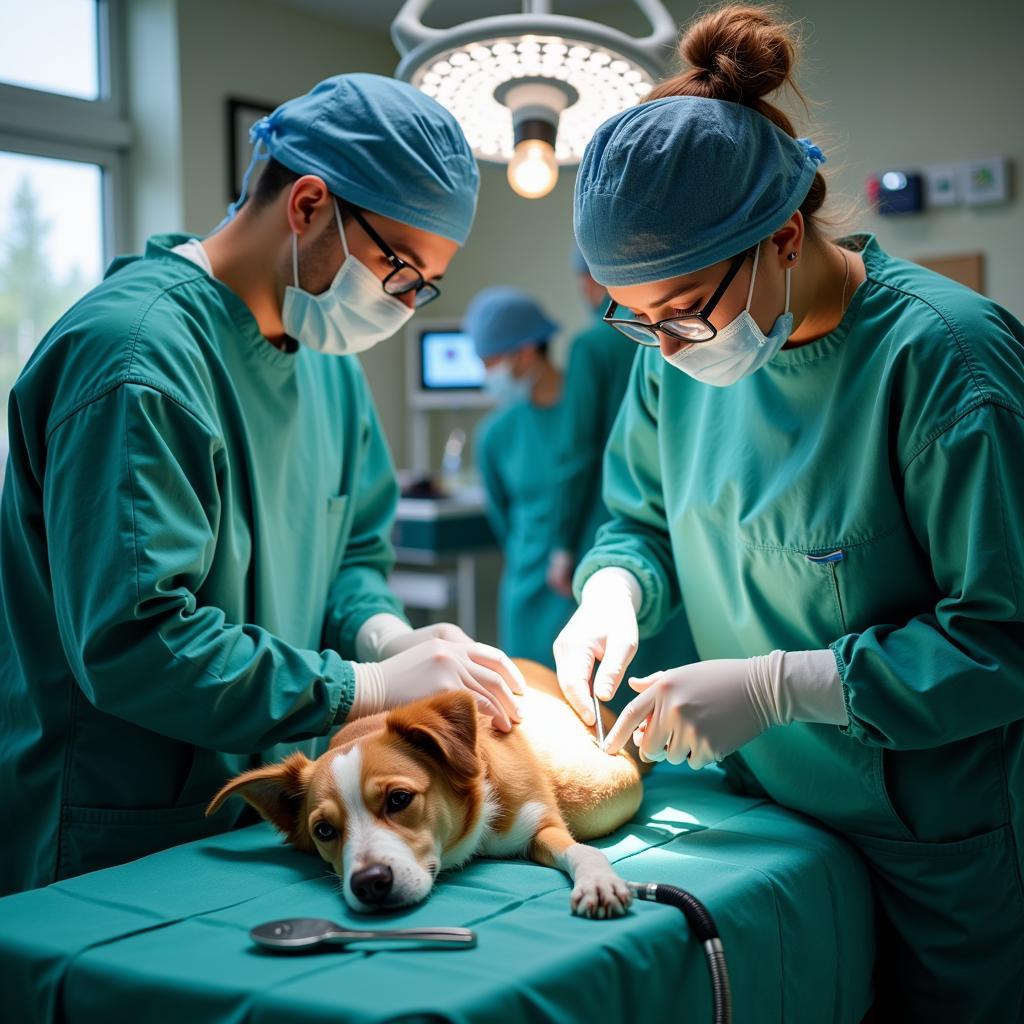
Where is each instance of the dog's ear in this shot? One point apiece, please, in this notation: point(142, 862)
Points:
point(276, 791)
point(444, 728)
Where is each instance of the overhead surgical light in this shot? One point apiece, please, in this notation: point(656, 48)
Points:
point(530, 89)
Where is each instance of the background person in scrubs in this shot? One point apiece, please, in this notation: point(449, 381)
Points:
point(194, 526)
point(516, 454)
point(831, 487)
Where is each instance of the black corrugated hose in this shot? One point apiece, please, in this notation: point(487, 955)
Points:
point(703, 926)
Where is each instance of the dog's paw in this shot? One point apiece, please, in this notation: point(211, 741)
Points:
point(600, 893)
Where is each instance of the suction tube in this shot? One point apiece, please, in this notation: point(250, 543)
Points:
point(703, 926)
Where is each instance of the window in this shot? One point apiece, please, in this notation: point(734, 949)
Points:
point(53, 45)
point(63, 142)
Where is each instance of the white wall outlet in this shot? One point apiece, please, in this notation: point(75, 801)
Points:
point(985, 180)
point(941, 185)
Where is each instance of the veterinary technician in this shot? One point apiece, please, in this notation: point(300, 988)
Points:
point(516, 454)
point(198, 502)
point(595, 384)
point(819, 458)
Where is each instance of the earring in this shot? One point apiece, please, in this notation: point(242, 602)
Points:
point(792, 256)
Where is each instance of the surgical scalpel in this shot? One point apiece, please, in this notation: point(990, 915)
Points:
point(598, 723)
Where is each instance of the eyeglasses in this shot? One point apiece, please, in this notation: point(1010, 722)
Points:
point(692, 328)
point(404, 278)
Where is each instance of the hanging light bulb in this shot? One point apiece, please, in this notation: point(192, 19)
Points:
point(533, 171)
point(590, 72)
point(536, 105)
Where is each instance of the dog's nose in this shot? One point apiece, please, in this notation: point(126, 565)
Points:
point(372, 884)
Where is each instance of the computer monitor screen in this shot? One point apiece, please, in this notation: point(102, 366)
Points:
point(448, 362)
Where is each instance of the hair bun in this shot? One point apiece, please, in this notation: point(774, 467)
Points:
point(740, 52)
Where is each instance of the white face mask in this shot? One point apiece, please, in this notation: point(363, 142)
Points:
point(739, 348)
point(352, 315)
point(507, 388)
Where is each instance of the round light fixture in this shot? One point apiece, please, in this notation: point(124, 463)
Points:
point(530, 89)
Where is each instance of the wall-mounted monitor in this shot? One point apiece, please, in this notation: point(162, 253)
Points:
point(443, 371)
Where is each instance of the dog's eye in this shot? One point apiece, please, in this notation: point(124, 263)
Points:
point(398, 800)
point(324, 832)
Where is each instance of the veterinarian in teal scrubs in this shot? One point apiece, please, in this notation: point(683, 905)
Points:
point(194, 531)
point(819, 459)
point(516, 455)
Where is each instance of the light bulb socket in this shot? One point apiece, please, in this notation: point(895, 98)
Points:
point(534, 128)
point(536, 105)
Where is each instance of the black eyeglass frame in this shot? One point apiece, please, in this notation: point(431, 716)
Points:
point(421, 286)
point(700, 316)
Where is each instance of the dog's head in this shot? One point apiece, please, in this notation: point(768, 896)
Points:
point(384, 806)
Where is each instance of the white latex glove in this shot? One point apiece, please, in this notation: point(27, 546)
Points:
point(560, 568)
point(702, 712)
point(434, 666)
point(603, 629)
point(383, 635)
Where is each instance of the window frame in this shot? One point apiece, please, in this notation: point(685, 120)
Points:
point(47, 124)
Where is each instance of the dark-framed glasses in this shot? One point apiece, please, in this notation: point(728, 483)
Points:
point(693, 328)
point(404, 277)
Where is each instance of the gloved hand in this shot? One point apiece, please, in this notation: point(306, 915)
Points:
point(560, 569)
point(435, 665)
point(602, 628)
point(702, 712)
point(384, 635)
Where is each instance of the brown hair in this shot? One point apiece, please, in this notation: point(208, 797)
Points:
point(742, 53)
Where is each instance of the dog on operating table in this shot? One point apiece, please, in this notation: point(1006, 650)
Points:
point(402, 795)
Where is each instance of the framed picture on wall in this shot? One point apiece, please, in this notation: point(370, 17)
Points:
point(242, 114)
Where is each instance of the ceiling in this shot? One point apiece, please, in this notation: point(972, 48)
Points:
point(378, 14)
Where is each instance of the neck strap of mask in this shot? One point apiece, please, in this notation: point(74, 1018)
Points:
point(753, 275)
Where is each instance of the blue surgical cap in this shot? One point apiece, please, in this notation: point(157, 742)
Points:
point(382, 145)
point(672, 186)
point(501, 320)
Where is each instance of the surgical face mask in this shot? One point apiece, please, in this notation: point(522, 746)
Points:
point(739, 348)
point(506, 388)
point(352, 315)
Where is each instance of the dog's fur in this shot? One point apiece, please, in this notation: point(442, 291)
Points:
point(473, 791)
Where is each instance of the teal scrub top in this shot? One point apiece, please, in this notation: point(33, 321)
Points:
point(514, 454)
point(194, 526)
point(864, 492)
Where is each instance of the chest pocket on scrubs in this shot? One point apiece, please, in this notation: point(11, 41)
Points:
point(338, 527)
point(828, 563)
point(885, 579)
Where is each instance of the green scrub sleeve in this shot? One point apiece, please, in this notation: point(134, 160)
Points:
point(497, 503)
point(360, 589)
point(957, 670)
point(581, 450)
point(636, 537)
point(133, 509)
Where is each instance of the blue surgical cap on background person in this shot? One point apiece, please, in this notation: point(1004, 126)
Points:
point(382, 145)
point(672, 186)
point(501, 320)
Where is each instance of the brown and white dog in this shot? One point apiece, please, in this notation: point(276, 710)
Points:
point(402, 795)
